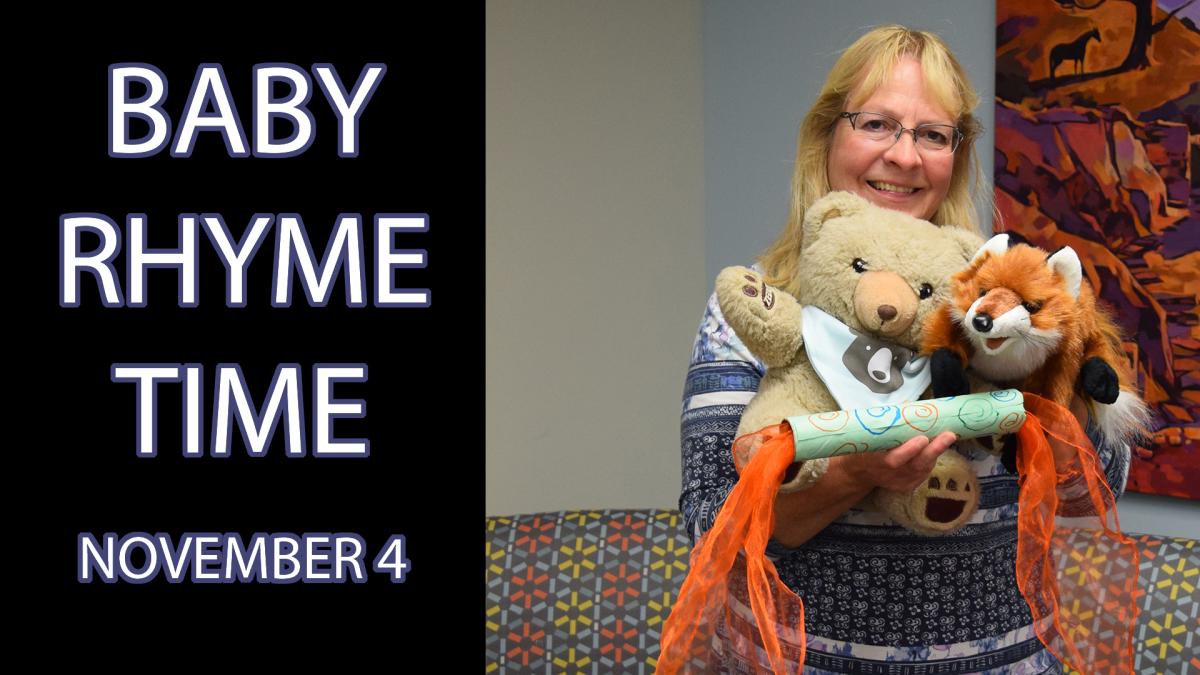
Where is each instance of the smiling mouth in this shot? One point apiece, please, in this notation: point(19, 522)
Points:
point(892, 188)
point(995, 343)
point(942, 510)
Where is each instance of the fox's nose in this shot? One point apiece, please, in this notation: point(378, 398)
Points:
point(886, 312)
point(982, 323)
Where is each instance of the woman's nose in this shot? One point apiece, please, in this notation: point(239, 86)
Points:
point(903, 152)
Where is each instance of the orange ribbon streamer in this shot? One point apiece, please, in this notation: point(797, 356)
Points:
point(1076, 570)
point(729, 566)
point(1078, 573)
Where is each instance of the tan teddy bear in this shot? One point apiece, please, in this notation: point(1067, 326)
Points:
point(864, 297)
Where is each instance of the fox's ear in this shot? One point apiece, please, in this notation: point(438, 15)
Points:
point(997, 245)
point(1065, 263)
point(832, 205)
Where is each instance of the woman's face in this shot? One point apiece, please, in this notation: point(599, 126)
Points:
point(897, 176)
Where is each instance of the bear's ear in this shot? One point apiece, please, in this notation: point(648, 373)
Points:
point(997, 245)
point(966, 241)
point(832, 205)
point(1065, 263)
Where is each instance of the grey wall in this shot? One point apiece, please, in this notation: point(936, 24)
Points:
point(634, 149)
point(1153, 514)
point(595, 249)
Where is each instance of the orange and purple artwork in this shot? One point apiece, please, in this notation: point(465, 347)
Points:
point(1098, 148)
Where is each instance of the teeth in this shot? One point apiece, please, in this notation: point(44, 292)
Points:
point(888, 187)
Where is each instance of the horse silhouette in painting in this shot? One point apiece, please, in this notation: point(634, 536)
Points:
point(1072, 51)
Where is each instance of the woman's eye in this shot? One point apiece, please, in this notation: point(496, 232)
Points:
point(859, 265)
point(935, 136)
point(926, 291)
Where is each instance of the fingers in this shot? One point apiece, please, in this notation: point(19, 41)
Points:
point(924, 463)
point(914, 460)
point(905, 466)
point(919, 449)
point(904, 453)
point(941, 442)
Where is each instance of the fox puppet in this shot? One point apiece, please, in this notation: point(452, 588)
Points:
point(1024, 318)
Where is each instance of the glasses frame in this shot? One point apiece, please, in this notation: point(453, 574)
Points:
point(956, 138)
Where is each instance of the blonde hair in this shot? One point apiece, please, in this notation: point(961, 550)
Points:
point(861, 70)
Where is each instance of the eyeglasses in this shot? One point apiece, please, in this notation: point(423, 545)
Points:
point(929, 137)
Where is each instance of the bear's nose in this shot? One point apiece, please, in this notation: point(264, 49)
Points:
point(886, 312)
point(982, 323)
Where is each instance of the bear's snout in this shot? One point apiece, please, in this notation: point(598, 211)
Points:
point(884, 303)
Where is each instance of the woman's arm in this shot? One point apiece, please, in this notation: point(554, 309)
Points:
point(722, 378)
point(1114, 457)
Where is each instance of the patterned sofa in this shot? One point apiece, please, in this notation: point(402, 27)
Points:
point(588, 592)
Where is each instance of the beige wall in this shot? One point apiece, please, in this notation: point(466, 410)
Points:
point(595, 249)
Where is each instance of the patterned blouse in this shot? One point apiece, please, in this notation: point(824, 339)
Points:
point(878, 598)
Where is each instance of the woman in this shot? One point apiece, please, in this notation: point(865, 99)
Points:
point(893, 123)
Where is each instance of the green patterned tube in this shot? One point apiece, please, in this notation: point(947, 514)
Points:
point(879, 428)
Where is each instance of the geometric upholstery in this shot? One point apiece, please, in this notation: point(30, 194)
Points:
point(1167, 636)
point(1168, 631)
point(588, 592)
point(581, 591)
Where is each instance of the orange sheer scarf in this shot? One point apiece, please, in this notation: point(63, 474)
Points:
point(1077, 572)
point(729, 564)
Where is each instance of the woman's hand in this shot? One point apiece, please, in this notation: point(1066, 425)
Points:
point(849, 478)
point(903, 468)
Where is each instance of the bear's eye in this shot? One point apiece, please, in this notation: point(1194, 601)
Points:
point(926, 291)
point(1031, 307)
point(859, 265)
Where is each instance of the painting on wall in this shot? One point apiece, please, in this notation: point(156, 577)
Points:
point(1098, 148)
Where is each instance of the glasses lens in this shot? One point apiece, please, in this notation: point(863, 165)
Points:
point(939, 137)
point(876, 126)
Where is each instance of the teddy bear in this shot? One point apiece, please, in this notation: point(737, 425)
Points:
point(861, 306)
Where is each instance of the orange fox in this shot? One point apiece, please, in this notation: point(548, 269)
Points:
point(1022, 318)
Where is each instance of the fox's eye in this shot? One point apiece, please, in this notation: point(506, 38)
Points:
point(859, 265)
point(982, 292)
point(926, 291)
point(1031, 307)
